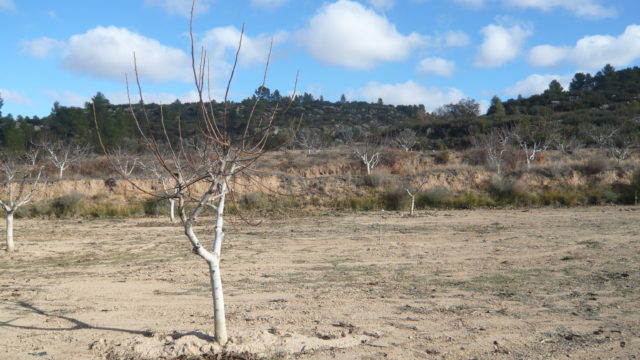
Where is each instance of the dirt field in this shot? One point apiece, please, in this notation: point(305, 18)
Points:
point(487, 284)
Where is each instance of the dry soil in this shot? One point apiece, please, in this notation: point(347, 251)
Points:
point(486, 284)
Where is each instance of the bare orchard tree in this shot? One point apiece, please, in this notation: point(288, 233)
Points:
point(367, 148)
point(620, 147)
point(62, 155)
point(567, 144)
point(33, 156)
point(495, 144)
point(169, 187)
point(406, 139)
point(20, 182)
point(201, 177)
point(602, 135)
point(413, 191)
point(126, 161)
point(532, 140)
point(311, 140)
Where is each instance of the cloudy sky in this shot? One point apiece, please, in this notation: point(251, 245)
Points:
point(430, 52)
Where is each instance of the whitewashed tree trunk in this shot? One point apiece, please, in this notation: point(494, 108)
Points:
point(10, 245)
point(172, 206)
point(220, 321)
point(413, 204)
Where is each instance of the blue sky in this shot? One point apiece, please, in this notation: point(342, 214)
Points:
point(430, 52)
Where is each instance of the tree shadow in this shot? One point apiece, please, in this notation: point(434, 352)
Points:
point(76, 324)
point(79, 325)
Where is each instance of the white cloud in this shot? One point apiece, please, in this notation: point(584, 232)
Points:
point(411, 93)
point(537, 84)
point(382, 4)
point(587, 8)
point(347, 34)
point(472, 3)
point(14, 97)
point(223, 41)
point(436, 66)
point(108, 52)
point(42, 47)
point(592, 52)
point(501, 44)
point(269, 4)
point(7, 5)
point(456, 38)
point(156, 98)
point(52, 14)
point(179, 7)
point(547, 55)
point(67, 98)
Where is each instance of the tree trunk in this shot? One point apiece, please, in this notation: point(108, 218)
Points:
point(10, 245)
point(60, 172)
point(172, 205)
point(413, 203)
point(220, 322)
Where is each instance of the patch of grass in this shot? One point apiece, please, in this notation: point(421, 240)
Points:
point(591, 244)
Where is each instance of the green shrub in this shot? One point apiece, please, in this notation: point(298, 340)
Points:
point(560, 197)
point(596, 164)
point(253, 200)
point(470, 201)
point(442, 157)
point(156, 207)
point(396, 199)
point(375, 179)
point(434, 197)
point(67, 205)
point(600, 196)
point(510, 192)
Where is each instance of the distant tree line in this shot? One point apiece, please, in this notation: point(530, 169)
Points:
point(610, 98)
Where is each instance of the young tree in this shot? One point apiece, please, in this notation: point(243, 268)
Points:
point(222, 156)
point(368, 148)
point(495, 144)
point(311, 140)
point(620, 148)
point(413, 191)
point(20, 182)
point(126, 161)
point(602, 135)
point(62, 155)
point(532, 139)
point(406, 139)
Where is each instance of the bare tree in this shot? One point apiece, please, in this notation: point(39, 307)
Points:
point(495, 144)
point(413, 191)
point(311, 140)
point(620, 148)
point(20, 182)
point(62, 155)
point(222, 156)
point(602, 135)
point(406, 139)
point(532, 140)
point(568, 144)
point(125, 160)
point(33, 156)
point(368, 148)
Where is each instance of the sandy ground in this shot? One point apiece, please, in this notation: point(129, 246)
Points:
point(486, 284)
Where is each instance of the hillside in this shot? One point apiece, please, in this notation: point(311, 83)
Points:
point(608, 99)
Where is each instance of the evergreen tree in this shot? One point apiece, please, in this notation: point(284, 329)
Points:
point(497, 107)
